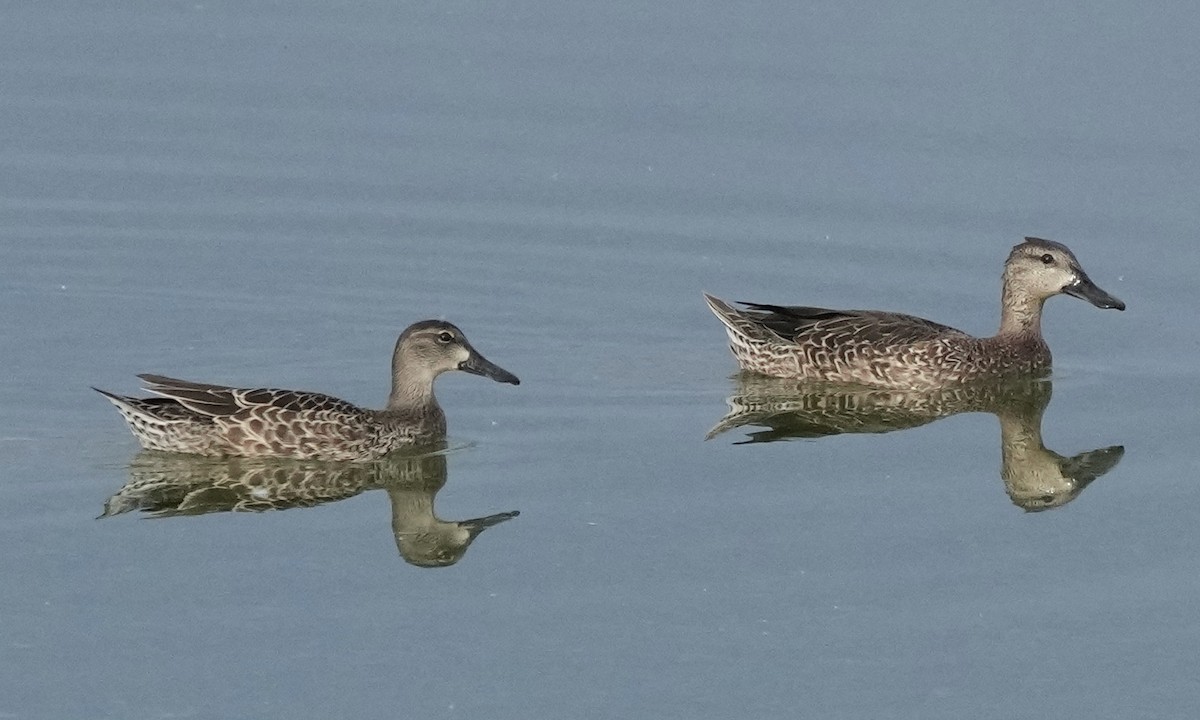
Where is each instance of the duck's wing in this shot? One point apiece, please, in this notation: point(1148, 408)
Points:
point(162, 409)
point(796, 322)
point(219, 400)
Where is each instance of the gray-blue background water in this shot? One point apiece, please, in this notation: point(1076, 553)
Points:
point(260, 193)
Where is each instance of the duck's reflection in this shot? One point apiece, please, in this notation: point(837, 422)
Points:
point(168, 485)
point(1034, 477)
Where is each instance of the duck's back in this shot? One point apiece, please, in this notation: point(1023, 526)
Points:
point(258, 422)
point(824, 326)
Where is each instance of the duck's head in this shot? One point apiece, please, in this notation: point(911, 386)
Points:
point(1044, 268)
point(436, 346)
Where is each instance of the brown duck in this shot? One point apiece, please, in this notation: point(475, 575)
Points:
point(890, 350)
point(215, 420)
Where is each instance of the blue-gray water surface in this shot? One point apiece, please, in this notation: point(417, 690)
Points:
point(266, 194)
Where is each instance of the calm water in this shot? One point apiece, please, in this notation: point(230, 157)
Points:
point(267, 194)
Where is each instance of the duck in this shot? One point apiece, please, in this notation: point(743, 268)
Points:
point(897, 351)
point(221, 421)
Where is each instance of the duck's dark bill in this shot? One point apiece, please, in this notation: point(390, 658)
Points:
point(1085, 289)
point(479, 365)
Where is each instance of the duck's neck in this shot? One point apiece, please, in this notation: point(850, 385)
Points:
point(412, 385)
point(1020, 313)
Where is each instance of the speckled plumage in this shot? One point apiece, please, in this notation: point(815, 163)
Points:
point(216, 420)
point(893, 350)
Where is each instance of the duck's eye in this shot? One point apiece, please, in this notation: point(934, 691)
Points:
point(445, 338)
point(1048, 259)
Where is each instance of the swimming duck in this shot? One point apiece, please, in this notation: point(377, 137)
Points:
point(215, 420)
point(892, 350)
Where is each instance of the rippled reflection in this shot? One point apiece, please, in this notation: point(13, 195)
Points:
point(169, 485)
point(1034, 477)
